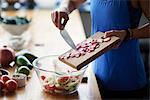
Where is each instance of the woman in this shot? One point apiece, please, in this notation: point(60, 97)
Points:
point(120, 71)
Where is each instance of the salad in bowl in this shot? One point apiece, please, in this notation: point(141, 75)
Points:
point(56, 77)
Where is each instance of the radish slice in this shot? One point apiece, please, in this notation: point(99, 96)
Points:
point(82, 53)
point(67, 56)
point(97, 46)
point(78, 46)
point(94, 45)
point(83, 48)
point(77, 55)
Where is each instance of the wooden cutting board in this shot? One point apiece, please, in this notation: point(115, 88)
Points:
point(81, 61)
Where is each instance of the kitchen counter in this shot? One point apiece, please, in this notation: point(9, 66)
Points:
point(46, 40)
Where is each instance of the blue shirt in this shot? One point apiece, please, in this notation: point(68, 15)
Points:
point(122, 68)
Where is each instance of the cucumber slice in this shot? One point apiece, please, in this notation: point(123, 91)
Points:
point(24, 70)
point(71, 84)
point(72, 89)
point(23, 61)
point(58, 91)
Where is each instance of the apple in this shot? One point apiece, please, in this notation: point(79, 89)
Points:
point(7, 55)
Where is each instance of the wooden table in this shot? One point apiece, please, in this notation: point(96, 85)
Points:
point(46, 40)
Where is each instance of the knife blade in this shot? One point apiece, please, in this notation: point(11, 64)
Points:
point(67, 38)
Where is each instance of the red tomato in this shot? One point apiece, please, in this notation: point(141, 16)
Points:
point(63, 80)
point(1, 85)
point(5, 78)
point(49, 87)
point(11, 85)
point(59, 88)
point(43, 77)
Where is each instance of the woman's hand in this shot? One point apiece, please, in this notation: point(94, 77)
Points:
point(119, 33)
point(60, 18)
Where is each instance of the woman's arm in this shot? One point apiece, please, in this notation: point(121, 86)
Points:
point(66, 7)
point(143, 31)
point(71, 5)
point(140, 32)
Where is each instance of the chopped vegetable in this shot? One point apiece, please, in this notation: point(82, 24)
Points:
point(85, 47)
point(43, 77)
point(24, 70)
point(60, 84)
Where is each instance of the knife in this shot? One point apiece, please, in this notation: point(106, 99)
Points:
point(67, 38)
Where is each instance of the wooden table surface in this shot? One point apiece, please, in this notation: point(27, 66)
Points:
point(46, 40)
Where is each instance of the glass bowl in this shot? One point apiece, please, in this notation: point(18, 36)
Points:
point(15, 25)
point(56, 77)
point(16, 30)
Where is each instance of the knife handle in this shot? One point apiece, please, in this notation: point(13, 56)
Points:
point(63, 21)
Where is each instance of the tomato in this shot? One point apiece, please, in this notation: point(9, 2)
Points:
point(59, 88)
point(43, 77)
point(63, 80)
point(1, 85)
point(49, 87)
point(5, 78)
point(11, 85)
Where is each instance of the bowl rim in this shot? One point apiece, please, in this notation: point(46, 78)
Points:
point(16, 24)
point(35, 61)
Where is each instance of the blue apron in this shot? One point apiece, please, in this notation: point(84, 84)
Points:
point(122, 68)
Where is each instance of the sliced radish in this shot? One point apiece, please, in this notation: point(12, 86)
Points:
point(49, 87)
point(82, 53)
point(77, 55)
point(97, 46)
point(90, 50)
point(83, 48)
point(63, 80)
point(67, 55)
point(94, 46)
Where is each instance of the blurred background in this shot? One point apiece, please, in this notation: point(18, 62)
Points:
point(85, 16)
